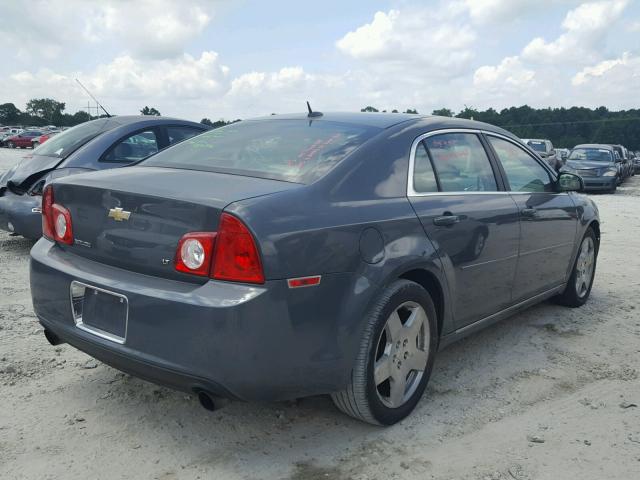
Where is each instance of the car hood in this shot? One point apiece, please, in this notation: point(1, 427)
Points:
point(586, 164)
point(30, 168)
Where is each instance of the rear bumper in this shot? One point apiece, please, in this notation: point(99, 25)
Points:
point(240, 341)
point(599, 183)
point(17, 215)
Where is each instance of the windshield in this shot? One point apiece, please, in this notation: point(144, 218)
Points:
point(591, 154)
point(66, 142)
point(537, 146)
point(298, 151)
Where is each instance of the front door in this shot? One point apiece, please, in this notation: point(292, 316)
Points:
point(548, 221)
point(472, 223)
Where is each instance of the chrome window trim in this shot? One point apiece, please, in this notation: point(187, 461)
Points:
point(93, 330)
point(411, 192)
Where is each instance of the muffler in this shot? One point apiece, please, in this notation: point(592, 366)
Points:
point(52, 338)
point(206, 400)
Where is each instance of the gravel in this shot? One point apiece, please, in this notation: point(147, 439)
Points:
point(568, 377)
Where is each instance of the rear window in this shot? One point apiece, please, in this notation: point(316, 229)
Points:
point(591, 154)
point(66, 142)
point(298, 151)
point(537, 146)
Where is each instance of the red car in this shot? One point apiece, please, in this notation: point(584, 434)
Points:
point(22, 140)
point(37, 141)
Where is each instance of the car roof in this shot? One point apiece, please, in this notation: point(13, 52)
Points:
point(386, 120)
point(127, 119)
point(594, 145)
point(381, 120)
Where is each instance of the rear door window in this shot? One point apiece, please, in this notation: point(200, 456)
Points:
point(177, 134)
point(461, 163)
point(524, 173)
point(133, 148)
point(424, 178)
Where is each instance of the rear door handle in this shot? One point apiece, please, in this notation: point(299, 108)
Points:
point(446, 220)
point(528, 212)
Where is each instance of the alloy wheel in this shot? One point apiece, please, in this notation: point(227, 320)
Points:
point(584, 266)
point(401, 354)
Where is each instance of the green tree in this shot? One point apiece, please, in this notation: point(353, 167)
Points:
point(409, 110)
point(9, 113)
point(47, 109)
point(206, 121)
point(369, 108)
point(443, 112)
point(150, 111)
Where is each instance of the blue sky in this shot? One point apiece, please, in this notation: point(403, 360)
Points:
point(198, 58)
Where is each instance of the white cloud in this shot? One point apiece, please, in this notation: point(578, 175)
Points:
point(606, 68)
point(426, 37)
point(509, 73)
point(126, 84)
point(154, 29)
point(585, 29)
point(49, 29)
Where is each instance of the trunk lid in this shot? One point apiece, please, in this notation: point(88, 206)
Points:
point(133, 218)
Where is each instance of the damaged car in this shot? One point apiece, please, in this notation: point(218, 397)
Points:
point(100, 144)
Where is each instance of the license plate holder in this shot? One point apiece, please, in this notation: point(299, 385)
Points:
point(100, 312)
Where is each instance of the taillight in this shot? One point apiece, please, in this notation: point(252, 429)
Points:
point(195, 253)
point(236, 253)
point(229, 254)
point(47, 212)
point(62, 229)
point(56, 220)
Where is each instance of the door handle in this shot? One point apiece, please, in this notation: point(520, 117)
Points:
point(446, 220)
point(528, 212)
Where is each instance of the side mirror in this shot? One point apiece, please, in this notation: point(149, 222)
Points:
point(568, 182)
point(552, 153)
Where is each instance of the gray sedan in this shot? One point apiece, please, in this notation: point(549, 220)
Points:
point(299, 255)
point(95, 145)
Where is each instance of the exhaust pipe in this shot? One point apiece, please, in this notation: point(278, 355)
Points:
point(52, 338)
point(206, 400)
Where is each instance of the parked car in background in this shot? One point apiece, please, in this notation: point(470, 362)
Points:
point(626, 167)
point(596, 164)
point(37, 141)
point(636, 162)
point(23, 139)
point(8, 133)
point(300, 255)
point(545, 149)
point(96, 145)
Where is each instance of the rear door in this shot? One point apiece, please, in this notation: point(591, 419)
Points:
point(548, 220)
point(469, 218)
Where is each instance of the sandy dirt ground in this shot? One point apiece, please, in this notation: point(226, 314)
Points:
point(552, 393)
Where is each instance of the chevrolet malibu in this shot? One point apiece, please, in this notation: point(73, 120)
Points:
point(309, 254)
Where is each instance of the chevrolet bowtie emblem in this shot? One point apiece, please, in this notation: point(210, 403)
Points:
point(118, 214)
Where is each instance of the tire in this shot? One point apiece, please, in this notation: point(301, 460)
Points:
point(408, 303)
point(575, 295)
point(35, 145)
point(11, 145)
point(613, 190)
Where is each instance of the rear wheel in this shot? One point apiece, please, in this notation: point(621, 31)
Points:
point(396, 356)
point(579, 286)
point(35, 144)
point(11, 145)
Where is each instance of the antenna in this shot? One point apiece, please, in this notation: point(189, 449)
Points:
point(94, 98)
point(311, 112)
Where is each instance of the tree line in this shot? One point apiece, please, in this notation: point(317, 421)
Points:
point(565, 127)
